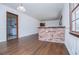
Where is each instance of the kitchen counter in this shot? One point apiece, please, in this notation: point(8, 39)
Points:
point(52, 34)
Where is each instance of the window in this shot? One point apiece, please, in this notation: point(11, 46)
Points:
point(74, 19)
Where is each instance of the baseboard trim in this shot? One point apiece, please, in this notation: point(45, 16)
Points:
point(29, 35)
point(2, 41)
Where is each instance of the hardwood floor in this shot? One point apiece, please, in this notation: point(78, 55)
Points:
point(31, 46)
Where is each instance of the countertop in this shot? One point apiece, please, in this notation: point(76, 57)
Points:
point(53, 27)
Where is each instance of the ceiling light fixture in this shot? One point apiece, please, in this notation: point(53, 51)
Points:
point(21, 8)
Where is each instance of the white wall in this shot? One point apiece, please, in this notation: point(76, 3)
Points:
point(2, 24)
point(71, 42)
point(27, 24)
point(51, 23)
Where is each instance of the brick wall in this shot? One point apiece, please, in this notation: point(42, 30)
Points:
point(51, 34)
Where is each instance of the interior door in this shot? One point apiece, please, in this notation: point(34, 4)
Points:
point(12, 26)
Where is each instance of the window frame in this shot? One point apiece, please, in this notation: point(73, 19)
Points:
point(71, 20)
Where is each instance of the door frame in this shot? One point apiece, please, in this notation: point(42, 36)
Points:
point(7, 24)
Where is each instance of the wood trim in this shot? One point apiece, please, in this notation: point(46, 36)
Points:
point(17, 26)
point(70, 14)
point(75, 7)
point(75, 21)
point(7, 24)
point(75, 34)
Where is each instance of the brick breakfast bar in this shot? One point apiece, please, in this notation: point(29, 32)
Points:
point(52, 34)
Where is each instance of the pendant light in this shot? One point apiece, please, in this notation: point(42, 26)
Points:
point(21, 8)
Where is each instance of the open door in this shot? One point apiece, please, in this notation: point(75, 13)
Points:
point(12, 26)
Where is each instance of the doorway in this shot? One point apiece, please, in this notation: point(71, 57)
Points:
point(12, 26)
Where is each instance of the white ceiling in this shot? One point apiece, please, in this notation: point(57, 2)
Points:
point(41, 11)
